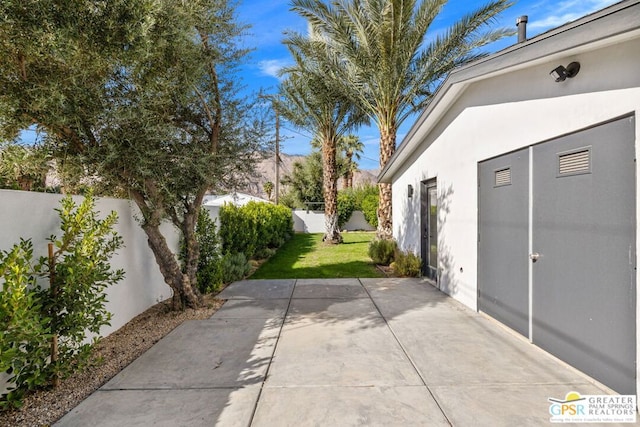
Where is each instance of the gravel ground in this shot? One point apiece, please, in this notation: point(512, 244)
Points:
point(44, 407)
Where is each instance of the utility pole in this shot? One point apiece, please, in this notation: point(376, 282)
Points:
point(277, 186)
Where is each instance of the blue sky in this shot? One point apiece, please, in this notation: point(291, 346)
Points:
point(270, 18)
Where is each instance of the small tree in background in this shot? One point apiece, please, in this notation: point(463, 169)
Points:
point(23, 168)
point(268, 188)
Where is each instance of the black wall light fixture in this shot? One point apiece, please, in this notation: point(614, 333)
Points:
point(561, 73)
point(410, 191)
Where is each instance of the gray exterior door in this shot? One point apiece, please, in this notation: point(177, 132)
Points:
point(503, 290)
point(557, 252)
point(584, 296)
point(429, 226)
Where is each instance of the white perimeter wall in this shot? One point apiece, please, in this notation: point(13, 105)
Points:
point(313, 222)
point(31, 215)
point(496, 116)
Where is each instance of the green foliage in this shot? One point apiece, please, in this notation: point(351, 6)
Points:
point(406, 264)
point(23, 168)
point(208, 263)
point(369, 208)
point(346, 206)
point(24, 332)
point(238, 232)
point(234, 267)
point(268, 188)
point(81, 274)
point(254, 227)
point(305, 183)
point(72, 309)
point(382, 251)
point(142, 96)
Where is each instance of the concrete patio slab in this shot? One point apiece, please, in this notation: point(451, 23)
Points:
point(258, 289)
point(402, 354)
point(341, 288)
point(359, 308)
point(348, 406)
point(460, 348)
point(355, 351)
point(201, 354)
point(252, 309)
point(170, 408)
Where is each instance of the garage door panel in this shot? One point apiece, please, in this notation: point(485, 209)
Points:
point(584, 230)
point(503, 217)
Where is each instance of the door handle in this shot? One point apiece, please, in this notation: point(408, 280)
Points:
point(534, 256)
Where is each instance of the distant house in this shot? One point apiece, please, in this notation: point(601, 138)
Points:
point(518, 185)
point(238, 199)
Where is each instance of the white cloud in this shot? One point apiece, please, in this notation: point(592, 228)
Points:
point(271, 67)
point(565, 11)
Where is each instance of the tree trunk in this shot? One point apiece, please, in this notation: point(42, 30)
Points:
point(185, 292)
point(330, 191)
point(387, 148)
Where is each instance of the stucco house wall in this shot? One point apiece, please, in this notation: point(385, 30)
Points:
point(504, 103)
point(496, 116)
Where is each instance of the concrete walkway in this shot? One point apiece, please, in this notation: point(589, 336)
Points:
point(386, 352)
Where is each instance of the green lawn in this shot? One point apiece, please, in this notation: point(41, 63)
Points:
point(306, 257)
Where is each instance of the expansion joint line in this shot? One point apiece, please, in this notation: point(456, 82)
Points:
point(404, 350)
point(275, 347)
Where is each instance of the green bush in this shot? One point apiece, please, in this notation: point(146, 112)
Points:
point(346, 206)
point(406, 264)
point(254, 227)
point(234, 267)
point(208, 274)
point(82, 273)
point(71, 309)
point(369, 208)
point(382, 251)
point(24, 332)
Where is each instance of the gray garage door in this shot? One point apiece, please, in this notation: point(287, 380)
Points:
point(582, 239)
point(504, 236)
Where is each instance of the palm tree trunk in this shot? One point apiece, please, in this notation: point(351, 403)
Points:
point(330, 191)
point(387, 148)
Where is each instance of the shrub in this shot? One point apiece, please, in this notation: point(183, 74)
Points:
point(234, 267)
point(251, 228)
point(238, 233)
point(74, 306)
point(406, 264)
point(24, 332)
point(81, 274)
point(369, 208)
point(208, 274)
point(382, 251)
point(346, 206)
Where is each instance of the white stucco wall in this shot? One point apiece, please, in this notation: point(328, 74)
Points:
point(313, 222)
point(31, 215)
point(495, 116)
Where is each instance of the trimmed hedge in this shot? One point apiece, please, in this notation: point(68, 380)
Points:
point(254, 227)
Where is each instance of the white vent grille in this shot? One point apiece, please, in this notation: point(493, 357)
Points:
point(576, 162)
point(503, 177)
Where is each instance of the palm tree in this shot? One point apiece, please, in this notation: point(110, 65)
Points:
point(352, 147)
point(311, 101)
point(268, 188)
point(382, 59)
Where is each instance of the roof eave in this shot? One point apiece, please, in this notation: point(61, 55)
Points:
point(590, 30)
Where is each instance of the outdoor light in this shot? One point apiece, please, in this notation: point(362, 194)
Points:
point(410, 191)
point(561, 73)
